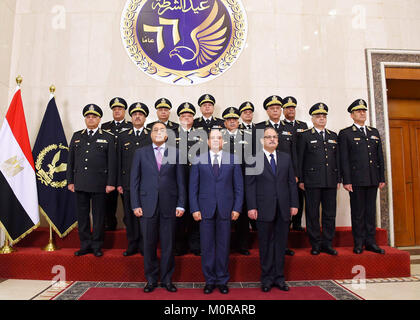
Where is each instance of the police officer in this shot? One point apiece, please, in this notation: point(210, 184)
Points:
point(163, 111)
point(319, 176)
point(128, 142)
point(234, 141)
point(116, 126)
point(296, 126)
point(246, 110)
point(287, 143)
point(187, 234)
point(207, 121)
point(91, 174)
point(363, 171)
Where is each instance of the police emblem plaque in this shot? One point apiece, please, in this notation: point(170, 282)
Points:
point(184, 42)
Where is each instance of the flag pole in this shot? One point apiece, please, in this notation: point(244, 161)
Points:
point(6, 249)
point(51, 246)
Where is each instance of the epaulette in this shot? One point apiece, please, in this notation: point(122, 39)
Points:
point(131, 131)
point(109, 132)
point(327, 131)
point(313, 130)
point(282, 122)
point(369, 128)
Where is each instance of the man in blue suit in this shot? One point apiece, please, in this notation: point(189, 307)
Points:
point(272, 198)
point(216, 196)
point(158, 193)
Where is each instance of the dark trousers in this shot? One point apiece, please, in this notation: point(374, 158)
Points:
point(95, 239)
point(327, 197)
point(363, 215)
point(297, 219)
point(240, 239)
point(272, 240)
point(187, 233)
point(154, 229)
point(215, 244)
point(111, 209)
point(132, 225)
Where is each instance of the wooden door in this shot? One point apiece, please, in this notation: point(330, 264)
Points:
point(405, 162)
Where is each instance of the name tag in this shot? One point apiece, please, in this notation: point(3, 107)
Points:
point(101, 141)
point(286, 133)
point(314, 141)
point(77, 141)
point(374, 137)
point(332, 141)
point(356, 139)
point(300, 130)
point(127, 144)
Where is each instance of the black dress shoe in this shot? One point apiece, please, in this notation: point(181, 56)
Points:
point(129, 252)
point(357, 250)
point(98, 253)
point(150, 287)
point(110, 228)
point(315, 251)
point(223, 288)
point(208, 288)
point(298, 228)
point(196, 252)
point(289, 252)
point(329, 250)
point(265, 288)
point(244, 252)
point(282, 286)
point(375, 248)
point(82, 252)
point(169, 286)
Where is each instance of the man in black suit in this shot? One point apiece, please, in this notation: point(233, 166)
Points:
point(158, 193)
point(286, 139)
point(116, 126)
point(271, 197)
point(297, 127)
point(319, 176)
point(91, 174)
point(128, 142)
point(363, 171)
point(207, 121)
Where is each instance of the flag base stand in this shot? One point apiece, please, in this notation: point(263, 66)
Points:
point(50, 247)
point(6, 249)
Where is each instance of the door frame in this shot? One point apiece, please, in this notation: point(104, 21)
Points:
point(377, 60)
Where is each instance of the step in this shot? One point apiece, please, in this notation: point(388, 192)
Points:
point(33, 263)
point(117, 239)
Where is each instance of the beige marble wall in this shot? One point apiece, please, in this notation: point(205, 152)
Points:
point(313, 50)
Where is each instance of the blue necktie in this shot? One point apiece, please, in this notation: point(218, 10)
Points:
point(215, 166)
point(273, 163)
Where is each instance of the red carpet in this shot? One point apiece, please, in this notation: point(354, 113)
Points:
point(29, 262)
point(296, 293)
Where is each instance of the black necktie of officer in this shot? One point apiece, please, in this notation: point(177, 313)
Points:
point(137, 133)
point(276, 126)
point(362, 129)
point(216, 165)
point(322, 133)
point(90, 133)
point(208, 122)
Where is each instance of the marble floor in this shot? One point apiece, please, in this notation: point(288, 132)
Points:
point(371, 289)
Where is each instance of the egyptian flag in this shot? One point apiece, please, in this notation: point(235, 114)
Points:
point(19, 213)
point(56, 203)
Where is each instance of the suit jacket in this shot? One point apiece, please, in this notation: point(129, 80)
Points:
point(208, 192)
point(268, 191)
point(151, 188)
point(318, 160)
point(92, 162)
point(362, 159)
point(128, 143)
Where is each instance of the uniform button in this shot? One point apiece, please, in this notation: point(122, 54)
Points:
point(326, 149)
point(370, 161)
point(137, 144)
point(87, 151)
point(85, 168)
point(368, 146)
point(88, 143)
point(86, 160)
point(326, 157)
point(327, 164)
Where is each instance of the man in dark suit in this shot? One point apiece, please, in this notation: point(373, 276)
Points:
point(128, 142)
point(363, 172)
point(271, 197)
point(207, 121)
point(319, 176)
point(158, 194)
point(297, 127)
point(286, 139)
point(216, 197)
point(116, 126)
point(91, 173)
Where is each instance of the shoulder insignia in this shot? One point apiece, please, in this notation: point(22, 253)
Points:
point(131, 131)
point(83, 132)
point(313, 130)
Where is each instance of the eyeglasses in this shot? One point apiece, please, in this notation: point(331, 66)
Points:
point(271, 137)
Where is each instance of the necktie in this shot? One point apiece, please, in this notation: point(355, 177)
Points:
point(273, 163)
point(249, 127)
point(216, 165)
point(158, 157)
point(323, 135)
point(90, 133)
point(276, 126)
point(363, 130)
point(138, 133)
point(207, 122)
